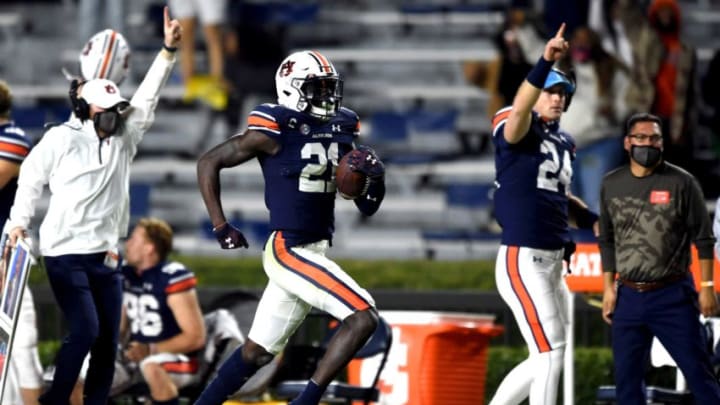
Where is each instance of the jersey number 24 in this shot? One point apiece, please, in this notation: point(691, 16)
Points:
point(554, 170)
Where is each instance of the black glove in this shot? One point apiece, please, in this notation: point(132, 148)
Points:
point(568, 250)
point(229, 237)
point(368, 163)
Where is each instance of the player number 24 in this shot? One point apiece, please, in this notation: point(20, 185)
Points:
point(554, 171)
point(311, 180)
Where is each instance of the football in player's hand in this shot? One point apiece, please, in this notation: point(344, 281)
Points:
point(350, 183)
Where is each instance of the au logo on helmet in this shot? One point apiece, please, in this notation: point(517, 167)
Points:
point(287, 68)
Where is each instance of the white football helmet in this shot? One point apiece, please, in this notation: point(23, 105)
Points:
point(105, 56)
point(306, 81)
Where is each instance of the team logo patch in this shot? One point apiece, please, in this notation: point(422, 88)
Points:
point(304, 129)
point(110, 89)
point(287, 68)
point(659, 197)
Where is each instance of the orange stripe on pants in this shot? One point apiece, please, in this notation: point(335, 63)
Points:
point(528, 306)
point(328, 283)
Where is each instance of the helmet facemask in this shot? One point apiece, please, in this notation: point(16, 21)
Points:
point(319, 96)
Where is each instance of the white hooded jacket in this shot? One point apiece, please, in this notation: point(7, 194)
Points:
point(88, 177)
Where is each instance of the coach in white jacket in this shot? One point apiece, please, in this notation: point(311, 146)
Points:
point(86, 163)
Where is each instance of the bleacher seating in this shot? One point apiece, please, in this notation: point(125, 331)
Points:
point(402, 65)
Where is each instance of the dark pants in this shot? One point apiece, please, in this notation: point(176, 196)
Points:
point(90, 297)
point(670, 313)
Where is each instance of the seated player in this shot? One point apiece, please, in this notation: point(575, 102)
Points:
point(161, 320)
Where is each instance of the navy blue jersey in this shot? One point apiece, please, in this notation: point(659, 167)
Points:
point(300, 178)
point(533, 178)
point(145, 298)
point(14, 146)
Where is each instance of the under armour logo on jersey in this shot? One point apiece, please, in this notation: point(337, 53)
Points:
point(229, 243)
point(286, 68)
point(336, 127)
point(537, 259)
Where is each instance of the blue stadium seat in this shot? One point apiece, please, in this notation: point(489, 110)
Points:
point(29, 117)
point(471, 195)
point(139, 200)
point(423, 120)
point(388, 126)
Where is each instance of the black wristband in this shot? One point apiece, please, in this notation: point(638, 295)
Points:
point(539, 73)
point(169, 49)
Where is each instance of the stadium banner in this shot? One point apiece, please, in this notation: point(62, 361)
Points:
point(587, 276)
point(14, 271)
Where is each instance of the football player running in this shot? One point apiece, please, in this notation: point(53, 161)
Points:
point(533, 206)
point(298, 144)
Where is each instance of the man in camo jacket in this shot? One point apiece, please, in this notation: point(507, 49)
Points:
point(650, 212)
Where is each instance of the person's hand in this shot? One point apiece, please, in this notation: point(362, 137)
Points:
point(172, 30)
point(229, 237)
point(137, 351)
point(608, 303)
point(708, 301)
point(596, 228)
point(557, 46)
point(16, 233)
point(368, 163)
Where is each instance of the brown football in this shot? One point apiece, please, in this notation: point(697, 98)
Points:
point(349, 183)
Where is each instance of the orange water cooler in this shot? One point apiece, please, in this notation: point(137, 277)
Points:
point(436, 358)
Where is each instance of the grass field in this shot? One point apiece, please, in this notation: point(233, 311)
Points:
point(396, 274)
point(407, 274)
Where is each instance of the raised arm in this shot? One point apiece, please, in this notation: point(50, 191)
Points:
point(518, 121)
point(146, 96)
point(234, 151)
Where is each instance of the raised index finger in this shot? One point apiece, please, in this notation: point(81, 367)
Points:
point(559, 34)
point(166, 15)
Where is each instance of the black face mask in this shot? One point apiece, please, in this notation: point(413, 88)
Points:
point(107, 121)
point(645, 156)
point(110, 121)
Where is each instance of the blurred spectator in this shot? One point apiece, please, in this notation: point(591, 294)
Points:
point(96, 15)
point(571, 12)
point(253, 50)
point(596, 112)
point(609, 19)
point(211, 15)
point(710, 86)
point(520, 44)
point(664, 79)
